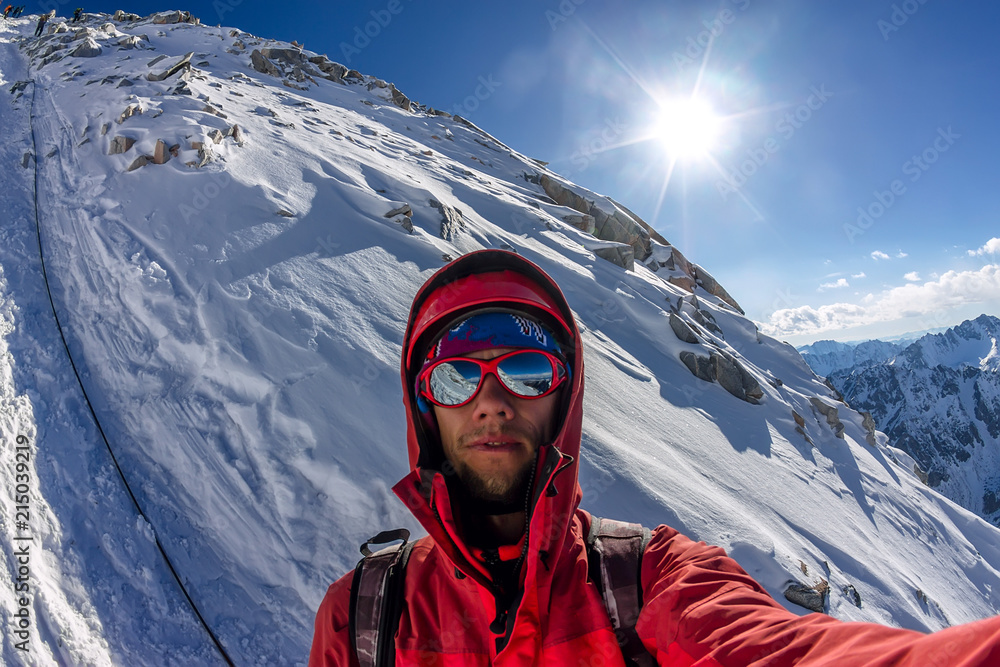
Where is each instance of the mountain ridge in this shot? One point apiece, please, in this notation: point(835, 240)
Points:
point(937, 399)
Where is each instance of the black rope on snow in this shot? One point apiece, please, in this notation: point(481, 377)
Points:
point(90, 407)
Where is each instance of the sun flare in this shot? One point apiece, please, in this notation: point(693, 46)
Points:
point(687, 128)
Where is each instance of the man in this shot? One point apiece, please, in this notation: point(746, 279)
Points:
point(492, 375)
point(41, 22)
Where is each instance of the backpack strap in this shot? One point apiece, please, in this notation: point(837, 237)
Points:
point(377, 599)
point(614, 560)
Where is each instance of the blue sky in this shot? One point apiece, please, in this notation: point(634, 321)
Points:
point(851, 192)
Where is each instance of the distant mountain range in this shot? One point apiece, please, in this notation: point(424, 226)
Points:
point(937, 399)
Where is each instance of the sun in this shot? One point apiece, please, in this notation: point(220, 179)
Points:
point(687, 128)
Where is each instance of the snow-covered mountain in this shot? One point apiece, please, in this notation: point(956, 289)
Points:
point(826, 356)
point(938, 399)
point(231, 230)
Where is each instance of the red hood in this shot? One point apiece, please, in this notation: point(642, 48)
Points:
point(477, 280)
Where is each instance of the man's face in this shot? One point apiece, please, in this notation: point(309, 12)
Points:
point(491, 440)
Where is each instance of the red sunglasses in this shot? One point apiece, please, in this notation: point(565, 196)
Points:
point(453, 382)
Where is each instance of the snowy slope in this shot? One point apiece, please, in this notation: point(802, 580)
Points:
point(939, 401)
point(237, 327)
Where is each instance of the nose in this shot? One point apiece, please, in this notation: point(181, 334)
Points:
point(493, 400)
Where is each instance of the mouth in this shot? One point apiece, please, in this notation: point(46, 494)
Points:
point(494, 444)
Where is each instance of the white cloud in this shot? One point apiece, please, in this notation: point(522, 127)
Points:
point(878, 254)
point(840, 283)
point(912, 276)
point(992, 247)
point(859, 275)
point(952, 289)
point(901, 255)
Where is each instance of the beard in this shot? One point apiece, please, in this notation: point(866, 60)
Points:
point(507, 491)
point(496, 491)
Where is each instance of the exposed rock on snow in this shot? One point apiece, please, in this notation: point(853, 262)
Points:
point(140, 161)
point(727, 371)
point(123, 16)
point(120, 144)
point(402, 210)
point(130, 111)
point(685, 274)
point(582, 221)
point(808, 597)
point(610, 222)
point(682, 330)
point(176, 16)
point(161, 153)
point(830, 413)
point(174, 65)
point(452, 221)
point(89, 49)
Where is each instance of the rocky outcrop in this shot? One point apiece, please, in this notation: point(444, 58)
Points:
point(582, 221)
point(295, 64)
point(174, 65)
point(122, 16)
point(653, 234)
point(682, 329)
point(263, 64)
point(130, 110)
point(868, 423)
point(812, 598)
point(120, 144)
point(830, 413)
point(401, 210)
point(88, 49)
point(718, 366)
point(397, 98)
point(621, 254)
point(616, 225)
point(161, 153)
point(452, 221)
point(140, 161)
point(333, 71)
point(403, 215)
point(687, 275)
point(176, 16)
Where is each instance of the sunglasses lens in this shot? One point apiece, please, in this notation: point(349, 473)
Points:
point(454, 382)
point(526, 374)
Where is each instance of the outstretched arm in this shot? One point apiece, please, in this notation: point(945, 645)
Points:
point(702, 608)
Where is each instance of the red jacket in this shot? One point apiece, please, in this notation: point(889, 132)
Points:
point(700, 608)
